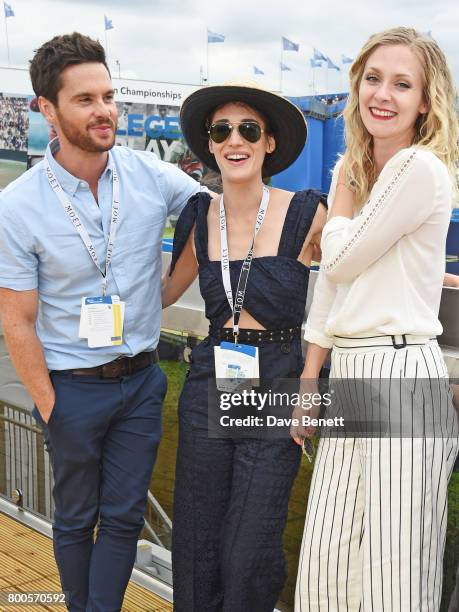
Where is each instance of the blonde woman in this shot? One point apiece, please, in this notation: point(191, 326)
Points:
point(376, 520)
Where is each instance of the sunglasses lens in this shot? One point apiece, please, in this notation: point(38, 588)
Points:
point(250, 131)
point(219, 132)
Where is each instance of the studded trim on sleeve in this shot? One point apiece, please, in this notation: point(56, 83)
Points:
point(373, 213)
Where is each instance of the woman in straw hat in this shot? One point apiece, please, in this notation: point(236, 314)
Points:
point(377, 511)
point(252, 248)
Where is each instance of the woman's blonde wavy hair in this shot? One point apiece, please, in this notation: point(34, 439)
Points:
point(436, 130)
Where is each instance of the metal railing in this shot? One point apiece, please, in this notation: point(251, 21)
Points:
point(157, 523)
point(25, 468)
point(26, 476)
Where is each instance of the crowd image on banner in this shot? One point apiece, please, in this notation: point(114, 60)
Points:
point(14, 129)
point(14, 123)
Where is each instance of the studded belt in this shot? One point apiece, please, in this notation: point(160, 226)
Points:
point(256, 336)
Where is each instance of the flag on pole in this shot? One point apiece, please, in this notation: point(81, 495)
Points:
point(331, 65)
point(346, 60)
point(319, 56)
point(213, 37)
point(108, 23)
point(288, 45)
point(8, 10)
point(284, 67)
point(315, 63)
point(257, 70)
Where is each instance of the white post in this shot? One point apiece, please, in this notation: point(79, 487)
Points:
point(7, 40)
point(280, 65)
point(207, 57)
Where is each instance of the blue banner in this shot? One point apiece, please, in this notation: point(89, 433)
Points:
point(213, 37)
point(319, 56)
point(8, 10)
point(331, 65)
point(288, 45)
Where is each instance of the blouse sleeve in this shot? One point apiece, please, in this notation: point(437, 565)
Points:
point(183, 228)
point(322, 301)
point(400, 201)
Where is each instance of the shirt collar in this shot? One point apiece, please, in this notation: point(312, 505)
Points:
point(70, 183)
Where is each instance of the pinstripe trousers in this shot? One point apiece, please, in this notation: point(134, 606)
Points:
point(375, 527)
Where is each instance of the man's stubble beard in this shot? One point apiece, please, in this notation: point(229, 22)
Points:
point(82, 139)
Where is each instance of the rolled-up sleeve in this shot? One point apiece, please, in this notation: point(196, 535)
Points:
point(401, 200)
point(322, 301)
point(176, 186)
point(18, 262)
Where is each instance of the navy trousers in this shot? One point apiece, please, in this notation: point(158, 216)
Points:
point(102, 437)
point(230, 511)
point(230, 499)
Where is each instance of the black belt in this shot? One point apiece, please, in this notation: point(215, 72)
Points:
point(123, 366)
point(256, 336)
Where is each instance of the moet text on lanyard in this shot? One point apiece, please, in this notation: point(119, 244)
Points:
point(237, 304)
point(79, 226)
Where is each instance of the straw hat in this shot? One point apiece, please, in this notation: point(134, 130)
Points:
point(286, 122)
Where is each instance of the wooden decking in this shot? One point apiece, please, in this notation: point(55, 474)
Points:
point(27, 565)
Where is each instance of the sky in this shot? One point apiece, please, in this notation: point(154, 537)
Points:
point(166, 40)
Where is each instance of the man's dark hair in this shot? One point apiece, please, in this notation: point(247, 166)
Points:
point(55, 55)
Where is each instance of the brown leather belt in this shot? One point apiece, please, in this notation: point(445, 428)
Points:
point(123, 366)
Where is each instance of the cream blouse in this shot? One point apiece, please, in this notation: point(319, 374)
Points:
point(382, 271)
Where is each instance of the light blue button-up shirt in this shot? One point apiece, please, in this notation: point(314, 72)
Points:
point(40, 248)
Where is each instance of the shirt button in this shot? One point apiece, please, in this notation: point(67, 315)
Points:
point(285, 348)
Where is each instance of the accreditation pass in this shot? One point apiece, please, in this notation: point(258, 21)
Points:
point(101, 320)
point(235, 363)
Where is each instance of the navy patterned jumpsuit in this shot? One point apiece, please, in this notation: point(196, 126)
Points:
point(231, 496)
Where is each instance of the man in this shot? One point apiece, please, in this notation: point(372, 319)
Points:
point(87, 222)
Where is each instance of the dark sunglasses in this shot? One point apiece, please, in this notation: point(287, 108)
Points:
point(249, 130)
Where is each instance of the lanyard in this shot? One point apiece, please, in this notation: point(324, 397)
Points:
point(236, 306)
point(78, 224)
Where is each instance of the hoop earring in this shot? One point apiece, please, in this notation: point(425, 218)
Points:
point(423, 130)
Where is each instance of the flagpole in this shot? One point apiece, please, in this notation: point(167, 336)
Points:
point(106, 41)
point(207, 58)
point(7, 39)
point(280, 65)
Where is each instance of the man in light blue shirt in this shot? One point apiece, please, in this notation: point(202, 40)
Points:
point(86, 222)
point(39, 248)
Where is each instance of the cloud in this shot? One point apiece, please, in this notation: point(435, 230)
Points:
point(166, 39)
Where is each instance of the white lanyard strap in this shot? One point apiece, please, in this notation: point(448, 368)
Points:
point(79, 226)
point(236, 308)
